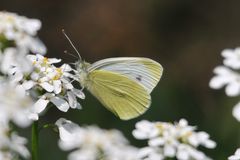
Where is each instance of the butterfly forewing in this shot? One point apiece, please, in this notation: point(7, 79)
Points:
point(142, 70)
point(121, 95)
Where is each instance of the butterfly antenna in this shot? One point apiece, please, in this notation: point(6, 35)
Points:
point(70, 54)
point(80, 58)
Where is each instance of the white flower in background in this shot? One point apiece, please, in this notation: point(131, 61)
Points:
point(167, 140)
point(228, 75)
point(15, 105)
point(231, 58)
point(236, 156)
point(11, 145)
point(14, 63)
point(53, 83)
point(21, 31)
point(91, 143)
point(18, 37)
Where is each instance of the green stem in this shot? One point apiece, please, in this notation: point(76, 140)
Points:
point(35, 140)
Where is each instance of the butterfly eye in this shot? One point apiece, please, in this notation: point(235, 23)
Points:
point(79, 66)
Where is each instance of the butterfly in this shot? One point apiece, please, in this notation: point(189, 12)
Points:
point(123, 85)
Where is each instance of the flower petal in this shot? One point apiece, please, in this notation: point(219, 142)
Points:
point(72, 100)
point(66, 68)
point(169, 151)
point(61, 104)
point(28, 84)
point(66, 129)
point(78, 93)
point(33, 116)
point(233, 89)
point(57, 86)
point(40, 105)
point(236, 111)
point(48, 87)
point(218, 82)
point(53, 60)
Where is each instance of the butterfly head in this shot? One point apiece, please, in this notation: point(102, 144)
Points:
point(82, 66)
point(82, 72)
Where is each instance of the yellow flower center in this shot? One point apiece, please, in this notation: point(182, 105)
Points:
point(60, 73)
point(45, 60)
point(10, 19)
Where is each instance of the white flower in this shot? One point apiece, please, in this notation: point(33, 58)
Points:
point(54, 84)
point(22, 31)
point(84, 154)
point(11, 144)
point(236, 156)
point(232, 58)
point(17, 144)
point(171, 140)
point(47, 75)
point(229, 76)
point(92, 143)
point(145, 130)
point(14, 104)
point(226, 77)
point(186, 152)
point(14, 63)
point(42, 103)
point(6, 156)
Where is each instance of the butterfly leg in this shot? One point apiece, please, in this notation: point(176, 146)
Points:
point(82, 89)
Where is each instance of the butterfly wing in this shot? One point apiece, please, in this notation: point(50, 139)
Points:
point(142, 70)
point(119, 94)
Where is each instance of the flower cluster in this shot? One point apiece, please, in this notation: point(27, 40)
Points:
point(14, 106)
point(26, 78)
point(49, 83)
point(12, 145)
point(20, 32)
point(17, 39)
point(91, 143)
point(228, 75)
point(167, 140)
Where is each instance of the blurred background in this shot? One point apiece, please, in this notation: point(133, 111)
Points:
point(185, 36)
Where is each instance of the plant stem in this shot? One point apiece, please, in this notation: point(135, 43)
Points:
point(35, 140)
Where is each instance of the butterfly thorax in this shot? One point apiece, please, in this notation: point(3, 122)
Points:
point(82, 72)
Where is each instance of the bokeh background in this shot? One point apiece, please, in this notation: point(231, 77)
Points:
point(185, 36)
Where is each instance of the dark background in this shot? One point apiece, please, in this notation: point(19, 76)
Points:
point(185, 36)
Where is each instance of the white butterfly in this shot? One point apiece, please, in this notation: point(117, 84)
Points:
point(123, 85)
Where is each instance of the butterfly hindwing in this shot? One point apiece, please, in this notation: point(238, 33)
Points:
point(121, 95)
point(142, 70)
